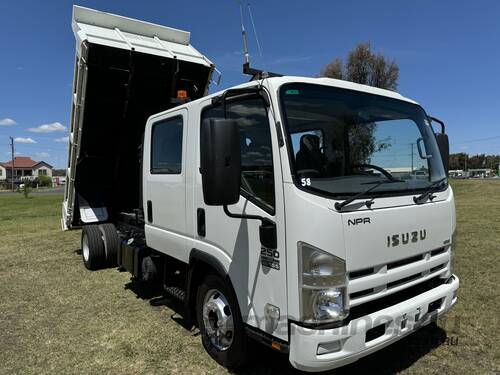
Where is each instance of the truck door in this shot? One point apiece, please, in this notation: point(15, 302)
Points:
point(164, 184)
point(258, 275)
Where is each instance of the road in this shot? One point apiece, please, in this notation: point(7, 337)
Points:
point(50, 191)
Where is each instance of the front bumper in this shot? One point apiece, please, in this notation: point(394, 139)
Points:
point(351, 342)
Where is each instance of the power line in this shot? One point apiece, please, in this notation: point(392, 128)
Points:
point(412, 144)
point(477, 140)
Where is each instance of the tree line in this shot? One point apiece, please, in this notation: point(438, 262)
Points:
point(464, 161)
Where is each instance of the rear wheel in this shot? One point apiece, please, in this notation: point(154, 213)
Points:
point(220, 323)
point(111, 243)
point(92, 247)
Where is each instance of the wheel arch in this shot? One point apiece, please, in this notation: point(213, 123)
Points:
point(200, 264)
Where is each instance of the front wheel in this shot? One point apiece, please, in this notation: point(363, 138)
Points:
point(220, 323)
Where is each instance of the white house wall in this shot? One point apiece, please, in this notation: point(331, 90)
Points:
point(36, 174)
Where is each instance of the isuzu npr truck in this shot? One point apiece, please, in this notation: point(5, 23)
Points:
point(311, 214)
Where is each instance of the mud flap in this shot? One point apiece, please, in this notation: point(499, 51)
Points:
point(90, 214)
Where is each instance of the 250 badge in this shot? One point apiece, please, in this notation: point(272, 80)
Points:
point(270, 258)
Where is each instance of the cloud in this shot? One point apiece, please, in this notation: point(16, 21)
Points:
point(62, 139)
point(49, 128)
point(24, 140)
point(7, 122)
point(42, 154)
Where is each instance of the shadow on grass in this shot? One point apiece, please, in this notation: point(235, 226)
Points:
point(157, 297)
point(144, 290)
point(392, 359)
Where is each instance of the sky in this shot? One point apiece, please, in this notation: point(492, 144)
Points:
point(448, 53)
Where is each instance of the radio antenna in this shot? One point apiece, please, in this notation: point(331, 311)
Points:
point(255, 73)
point(254, 29)
point(244, 37)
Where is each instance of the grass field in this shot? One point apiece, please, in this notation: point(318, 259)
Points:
point(57, 317)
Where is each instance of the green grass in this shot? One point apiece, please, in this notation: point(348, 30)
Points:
point(57, 317)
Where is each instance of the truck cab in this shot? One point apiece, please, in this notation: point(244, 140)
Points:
point(339, 281)
point(311, 214)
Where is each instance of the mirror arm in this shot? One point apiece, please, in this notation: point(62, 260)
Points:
point(264, 220)
point(420, 152)
point(439, 122)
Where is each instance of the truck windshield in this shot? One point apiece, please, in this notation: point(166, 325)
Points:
point(341, 141)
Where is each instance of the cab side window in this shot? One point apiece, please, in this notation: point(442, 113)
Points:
point(257, 175)
point(166, 146)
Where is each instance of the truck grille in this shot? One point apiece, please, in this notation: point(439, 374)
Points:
point(375, 282)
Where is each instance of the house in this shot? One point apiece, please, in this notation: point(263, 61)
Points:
point(25, 168)
point(481, 172)
point(3, 173)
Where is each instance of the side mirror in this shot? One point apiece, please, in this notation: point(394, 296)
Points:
point(220, 161)
point(443, 144)
point(444, 149)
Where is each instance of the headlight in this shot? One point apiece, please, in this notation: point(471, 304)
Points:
point(323, 289)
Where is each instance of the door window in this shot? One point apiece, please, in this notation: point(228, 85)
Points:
point(257, 176)
point(166, 146)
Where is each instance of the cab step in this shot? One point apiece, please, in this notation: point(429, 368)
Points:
point(176, 292)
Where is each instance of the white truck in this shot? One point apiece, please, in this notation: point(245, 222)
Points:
point(268, 208)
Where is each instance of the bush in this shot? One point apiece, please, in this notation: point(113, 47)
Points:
point(25, 189)
point(44, 181)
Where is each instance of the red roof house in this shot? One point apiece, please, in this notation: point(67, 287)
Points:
point(24, 167)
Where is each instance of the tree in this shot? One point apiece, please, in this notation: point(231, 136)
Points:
point(464, 161)
point(44, 181)
point(366, 67)
point(335, 69)
point(369, 68)
point(25, 189)
point(459, 161)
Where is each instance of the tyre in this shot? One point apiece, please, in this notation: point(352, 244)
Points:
point(111, 243)
point(92, 247)
point(149, 270)
point(219, 320)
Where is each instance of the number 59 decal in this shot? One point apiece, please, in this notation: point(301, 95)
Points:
point(305, 181)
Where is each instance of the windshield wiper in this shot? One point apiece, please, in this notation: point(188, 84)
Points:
point(427, 194)
point(368, 203)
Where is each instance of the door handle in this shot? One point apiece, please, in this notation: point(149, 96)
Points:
point(200, 215)
point(150, 211)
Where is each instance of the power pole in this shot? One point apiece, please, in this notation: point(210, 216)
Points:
point(12, 169)
point(411, 144)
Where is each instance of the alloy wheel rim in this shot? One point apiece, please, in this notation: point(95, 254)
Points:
point(218, 320)
point(85, 248)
